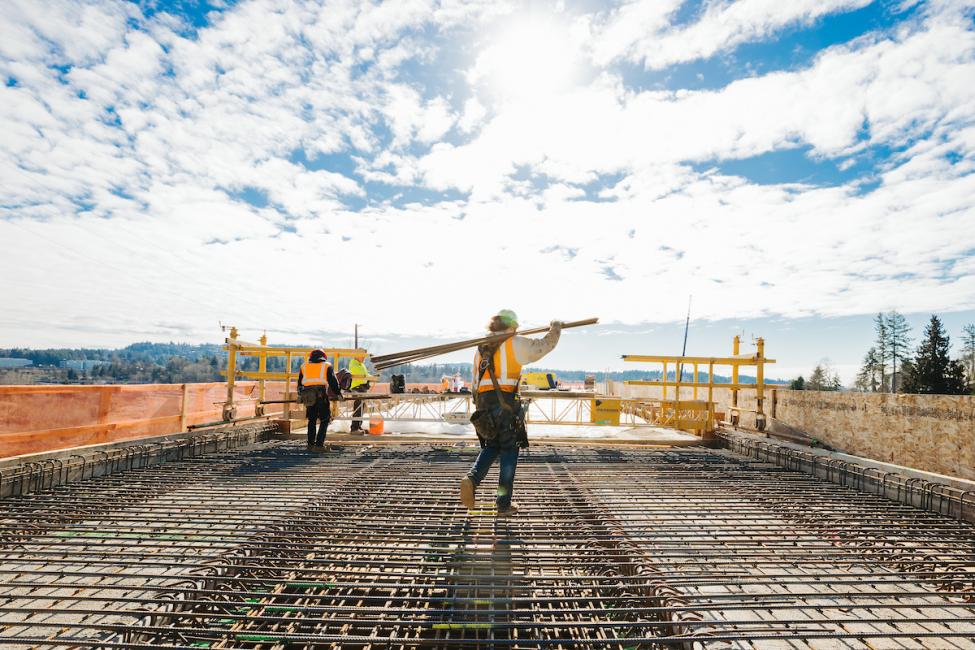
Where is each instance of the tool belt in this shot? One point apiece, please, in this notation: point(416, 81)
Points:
point(311, 395)
point(502, 425)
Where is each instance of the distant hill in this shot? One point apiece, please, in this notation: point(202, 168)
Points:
point(147, 362)
point(144, 351)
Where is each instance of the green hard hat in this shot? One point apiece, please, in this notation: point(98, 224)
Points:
point(508, 317)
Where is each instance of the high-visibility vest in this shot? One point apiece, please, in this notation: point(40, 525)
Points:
point(315, 374)
point(359, 374)
point(506, 368)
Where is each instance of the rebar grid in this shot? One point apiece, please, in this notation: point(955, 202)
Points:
point(365, 547)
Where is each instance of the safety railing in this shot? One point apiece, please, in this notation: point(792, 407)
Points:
point(262, 351)
point(672, 410)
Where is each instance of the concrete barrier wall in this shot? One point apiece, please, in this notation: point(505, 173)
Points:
point(934, 433)
point(41, 418)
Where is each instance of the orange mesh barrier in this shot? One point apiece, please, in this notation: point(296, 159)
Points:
point(45, 418)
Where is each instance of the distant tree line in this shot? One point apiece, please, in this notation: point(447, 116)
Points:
point(177, 363)
point(893, 365)
point(926, 369)
point(823, 377)
point(139, 363)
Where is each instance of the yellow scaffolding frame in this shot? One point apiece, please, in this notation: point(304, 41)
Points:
point(736, 361)
point(235, 347)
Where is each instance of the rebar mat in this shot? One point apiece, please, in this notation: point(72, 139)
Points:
point(368, 547)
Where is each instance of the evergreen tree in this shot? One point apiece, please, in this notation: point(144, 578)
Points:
point(880, 348)
point(798, 384)
point(908, 377)
point(833, 382)
point(817, 380)
point(823, 378)
point(968, 353)
point(935, 371)
point(867, 379)
point(898, 341)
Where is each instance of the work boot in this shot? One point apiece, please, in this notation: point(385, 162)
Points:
point(467, 492)
point(510, 511)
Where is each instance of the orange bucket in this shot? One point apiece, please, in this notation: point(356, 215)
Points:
point(376, 424)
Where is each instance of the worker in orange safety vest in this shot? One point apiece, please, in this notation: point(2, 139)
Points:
point(499, 418)
point(315, 375)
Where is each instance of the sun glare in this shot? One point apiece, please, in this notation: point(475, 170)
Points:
point(529, 59)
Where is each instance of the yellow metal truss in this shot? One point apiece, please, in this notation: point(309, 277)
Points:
point(238, 348)
point(689, 414)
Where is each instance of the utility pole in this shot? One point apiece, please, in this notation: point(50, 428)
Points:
point(683, 351)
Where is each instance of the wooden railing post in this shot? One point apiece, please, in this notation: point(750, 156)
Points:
point(182, 408)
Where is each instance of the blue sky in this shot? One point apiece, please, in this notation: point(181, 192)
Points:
point(300, 166)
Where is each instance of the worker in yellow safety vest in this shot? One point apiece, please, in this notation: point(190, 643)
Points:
point(360, 384)
point(315, 375)
point(499, 418)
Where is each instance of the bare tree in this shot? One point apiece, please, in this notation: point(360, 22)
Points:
point(823, 377)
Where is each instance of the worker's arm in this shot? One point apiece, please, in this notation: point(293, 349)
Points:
point(332, 382)
point(530, 350)
point(301, 378)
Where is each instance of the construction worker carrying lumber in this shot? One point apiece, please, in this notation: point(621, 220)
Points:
point(360, 384)
point(499, 419)
point(314, 376)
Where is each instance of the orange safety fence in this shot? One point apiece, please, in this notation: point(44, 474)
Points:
point(42, 418)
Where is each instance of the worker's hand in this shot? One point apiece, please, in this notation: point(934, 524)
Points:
point(555, 325)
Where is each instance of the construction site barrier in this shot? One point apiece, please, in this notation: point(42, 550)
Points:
point(41, 418)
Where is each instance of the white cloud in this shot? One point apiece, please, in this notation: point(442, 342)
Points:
point(642, 31)
point(118, 177)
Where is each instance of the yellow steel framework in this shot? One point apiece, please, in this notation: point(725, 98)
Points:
point(541, 407)
point(237, 348)
point(689, 414)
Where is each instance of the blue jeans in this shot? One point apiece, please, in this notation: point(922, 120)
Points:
point(506, 481)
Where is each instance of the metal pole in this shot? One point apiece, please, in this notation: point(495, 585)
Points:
point(760, 385)
point(229, 410)
point(182, 410)
point(287, 387)
point(735, 351)
point(262, 368)
point(687, 324)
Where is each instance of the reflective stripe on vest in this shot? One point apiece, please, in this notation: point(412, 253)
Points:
point(315, 374)
point(506, 367)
